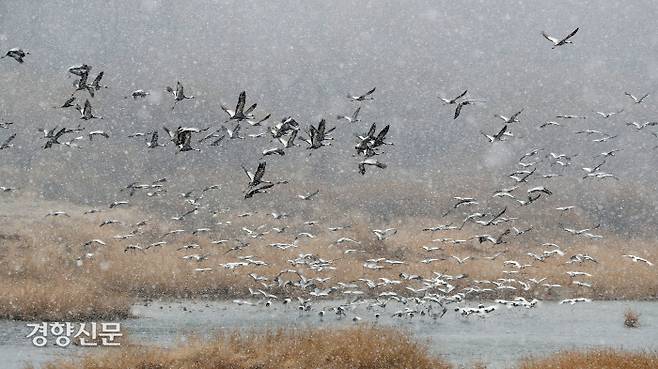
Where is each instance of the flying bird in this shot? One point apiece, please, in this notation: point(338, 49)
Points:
point(16, 54)
point(453, 100)
point(178, 93)
point(363, 97)
point(351, 119)
point(559, 42)
point(635, 99)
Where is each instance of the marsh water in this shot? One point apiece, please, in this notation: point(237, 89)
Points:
point(498, 340)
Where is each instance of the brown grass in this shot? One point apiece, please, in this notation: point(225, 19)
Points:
point(39, 278)
point(631, 319)
point(598, 359)
point(361, 347)
point(61, 300)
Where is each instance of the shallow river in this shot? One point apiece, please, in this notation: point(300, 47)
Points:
point(499, 340)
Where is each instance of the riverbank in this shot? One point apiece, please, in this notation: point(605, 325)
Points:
point(361, 347)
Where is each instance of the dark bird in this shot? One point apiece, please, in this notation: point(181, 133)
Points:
point(16, 54)
point(178, 94)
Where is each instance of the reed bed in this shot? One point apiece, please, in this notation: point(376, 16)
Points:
point(360, 347)
point(49, 274)
point(597, 359)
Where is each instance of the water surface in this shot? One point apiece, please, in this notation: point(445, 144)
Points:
point(500, 339)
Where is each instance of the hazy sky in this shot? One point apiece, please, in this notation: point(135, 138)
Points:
point(301, 58)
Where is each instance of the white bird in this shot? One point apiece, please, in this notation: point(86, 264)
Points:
point(460, 261)
point(309, 195)
point(512, 119)
point(86, 111)
point(118, 203)
point(540, 189)
point(496, 137)
point(97, 133)
point(570, 116)
point(549, 123)
point(578, 274)
point(607, 115)
point(133, 248)
point(363, 97)
point(383, 234)
point(640, 259)
point(575, 300)
point(370, 162)
point(454, 100)
point(57, 214)
point(351, 119)
point(559, 42)
point(635, 99)
point(347, 239)
point(605, 139)
point(609, 153)
point(234, 133)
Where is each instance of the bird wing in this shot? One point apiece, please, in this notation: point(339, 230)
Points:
point(69, 101)
point(239, 108)
point(97, 81)
point(569, 35)
point(513, 117)
point(372, 130)
point(369, 92)
point(8, 140)
point(322, 126)
point(502, 132)
point(250, 109)
point(179, 89)
point(549, 38)
point(216, 142)
point(458, 110)
point(228, 111)
point(263, 119)
point(382, 134)
point(460, 96)
point(490, 138)
point(291, 139)
point(356, 113)
point(248, 173)
point(259, 172)
point(59, 134)
point(171, 134)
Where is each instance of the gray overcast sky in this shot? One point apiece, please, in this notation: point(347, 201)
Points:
point(301, 58)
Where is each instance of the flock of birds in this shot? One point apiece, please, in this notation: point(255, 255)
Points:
point(417, 295)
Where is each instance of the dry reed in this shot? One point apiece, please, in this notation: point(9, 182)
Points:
point(597, 359)
point(360, 347)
